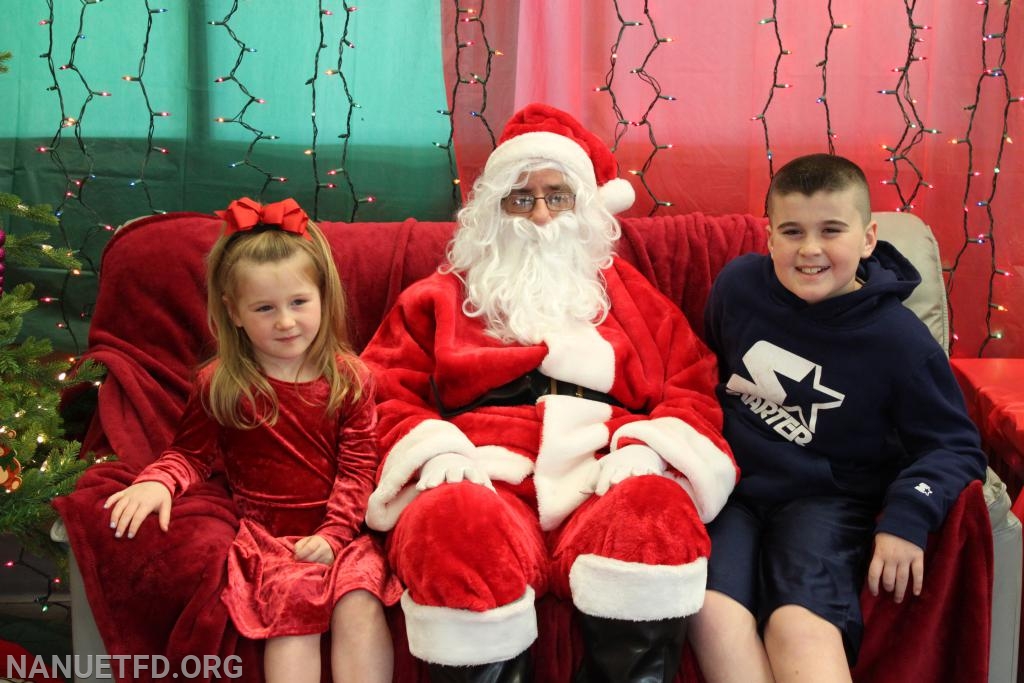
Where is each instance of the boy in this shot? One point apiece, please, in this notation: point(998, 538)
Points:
point(847, 425)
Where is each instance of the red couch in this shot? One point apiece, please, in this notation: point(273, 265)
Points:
point(994, 390)
point(158, 594)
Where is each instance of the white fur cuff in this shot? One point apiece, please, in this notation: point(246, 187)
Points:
point(460, 637)
point(424, 441)
point(613, 589)
point(710, 473)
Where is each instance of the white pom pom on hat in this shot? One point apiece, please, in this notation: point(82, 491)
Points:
point(539, 131)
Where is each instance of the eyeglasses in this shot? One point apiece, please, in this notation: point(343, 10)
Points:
point(524, 203)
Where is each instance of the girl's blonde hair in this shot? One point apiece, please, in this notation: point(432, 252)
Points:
point(237, 379)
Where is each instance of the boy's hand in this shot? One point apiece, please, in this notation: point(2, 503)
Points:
point(133, 504)
point(314, 549)
point(894, 563)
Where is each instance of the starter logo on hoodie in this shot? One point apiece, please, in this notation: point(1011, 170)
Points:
point(784, 390)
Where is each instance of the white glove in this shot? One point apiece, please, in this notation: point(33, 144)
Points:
point(629, 461)
point(451, 468)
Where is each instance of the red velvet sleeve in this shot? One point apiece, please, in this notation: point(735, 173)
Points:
point(190, 456)
point(358, 458)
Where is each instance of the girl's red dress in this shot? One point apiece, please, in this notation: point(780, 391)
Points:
point(306, 474)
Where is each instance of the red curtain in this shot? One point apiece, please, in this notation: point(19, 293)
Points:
point(887, 84)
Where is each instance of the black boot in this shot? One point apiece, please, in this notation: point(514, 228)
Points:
point(515, 670)
point(620, 651)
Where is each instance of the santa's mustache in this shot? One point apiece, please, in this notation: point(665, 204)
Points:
point(550, 232)
point(536, 278)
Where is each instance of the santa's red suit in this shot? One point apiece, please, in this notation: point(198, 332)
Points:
point(473, 560)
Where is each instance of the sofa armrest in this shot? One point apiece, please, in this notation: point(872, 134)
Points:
point(993, 389)
point(85, 637)
point(1007, 564)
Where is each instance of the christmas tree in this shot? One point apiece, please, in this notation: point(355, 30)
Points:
point(36, 462)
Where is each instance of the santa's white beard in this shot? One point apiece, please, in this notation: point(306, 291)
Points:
point(535, 279)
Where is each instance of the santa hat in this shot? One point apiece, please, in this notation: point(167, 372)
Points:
point(541, 132)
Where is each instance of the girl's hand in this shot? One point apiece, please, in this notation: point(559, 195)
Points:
point(133, 504)
point(314, 549)
point(896, 561)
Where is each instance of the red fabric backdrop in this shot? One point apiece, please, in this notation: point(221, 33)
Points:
point(721, 66)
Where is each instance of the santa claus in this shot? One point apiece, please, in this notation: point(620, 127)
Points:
point(549, 424)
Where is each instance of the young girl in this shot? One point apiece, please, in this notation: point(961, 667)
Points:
point(287, 408)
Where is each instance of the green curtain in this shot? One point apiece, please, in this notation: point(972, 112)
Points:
point(108, 158)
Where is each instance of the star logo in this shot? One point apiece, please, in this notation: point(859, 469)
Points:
point(808, 395)
point(786, 379)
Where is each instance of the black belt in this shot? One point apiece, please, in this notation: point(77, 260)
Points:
point(522, 391)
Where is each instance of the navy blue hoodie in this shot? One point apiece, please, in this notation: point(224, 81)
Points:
point(849, 395)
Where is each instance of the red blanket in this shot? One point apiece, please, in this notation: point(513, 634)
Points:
point(159, 593)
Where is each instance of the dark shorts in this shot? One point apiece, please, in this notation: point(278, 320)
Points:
point(811, 552)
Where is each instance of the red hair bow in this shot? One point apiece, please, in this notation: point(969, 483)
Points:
point(245, 214)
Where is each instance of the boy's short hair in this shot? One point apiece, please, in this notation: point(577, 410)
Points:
point(821, 173)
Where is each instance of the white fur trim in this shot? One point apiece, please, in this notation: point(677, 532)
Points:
point(381, 514)
point(429, 438)
point(424, 441)
point(580, 355)
point(710, 473)
point(539, 145)
point(461, 637)
point(573, 430)
point(501, 464)
point(617, 194)
point(613, 589)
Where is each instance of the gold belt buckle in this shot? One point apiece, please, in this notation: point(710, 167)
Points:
point(553, 388)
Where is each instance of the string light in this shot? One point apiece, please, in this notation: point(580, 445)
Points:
point(52, 582)
point(240, 117)
point(993, 55)
point(830, 135)
point(71, 124)
point(992, 38)
point(478, 113)
point(903, 153)
point(762, 116)
point(153, 114)
point(623, 124)
point(351, 105)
